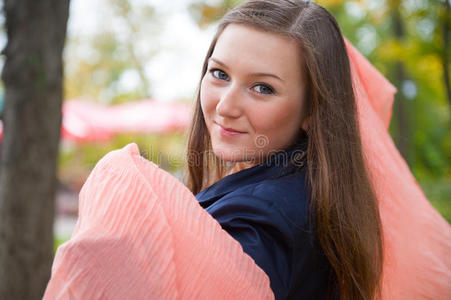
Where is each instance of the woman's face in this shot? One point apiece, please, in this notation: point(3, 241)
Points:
point(252, 94)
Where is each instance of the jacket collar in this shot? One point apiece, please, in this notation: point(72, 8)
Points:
point(277, 165)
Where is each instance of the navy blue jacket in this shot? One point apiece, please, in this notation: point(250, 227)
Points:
point(266, 209)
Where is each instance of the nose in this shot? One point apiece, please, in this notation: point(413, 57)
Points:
point(229, 105)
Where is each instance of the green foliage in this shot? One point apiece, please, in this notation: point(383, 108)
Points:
point(58, 241)
point(438, 194)
point(205, 14)
point(97, 62)
point(76, 161)
point(420, 50)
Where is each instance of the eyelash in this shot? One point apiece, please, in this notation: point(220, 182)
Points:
point(264, 85)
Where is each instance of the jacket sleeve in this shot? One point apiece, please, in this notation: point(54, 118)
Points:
point(266, 234)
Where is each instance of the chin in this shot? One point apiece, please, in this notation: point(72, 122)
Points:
point(227, 156)
point(234, 155)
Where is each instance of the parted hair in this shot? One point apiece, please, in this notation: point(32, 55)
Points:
point(344, 207)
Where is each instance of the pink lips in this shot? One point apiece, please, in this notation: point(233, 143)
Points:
point(228, 131)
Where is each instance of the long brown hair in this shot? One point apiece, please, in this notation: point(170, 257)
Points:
point(344, 205)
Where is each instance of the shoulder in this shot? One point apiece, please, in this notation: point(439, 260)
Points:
point(287, 197)
point(271, 221)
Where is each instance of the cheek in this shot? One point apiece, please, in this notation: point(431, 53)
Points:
point(207, 99)
point(279, 117)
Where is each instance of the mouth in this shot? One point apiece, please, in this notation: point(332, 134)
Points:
point(228, 131)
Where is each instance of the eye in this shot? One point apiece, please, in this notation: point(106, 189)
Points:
point(263, 88)
point(219, 74)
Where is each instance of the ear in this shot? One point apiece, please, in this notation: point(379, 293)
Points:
point(305, 123)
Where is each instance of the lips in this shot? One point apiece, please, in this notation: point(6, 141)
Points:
point(228, 132)
point(229, 129)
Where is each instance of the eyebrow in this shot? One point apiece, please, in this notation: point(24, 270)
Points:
point(258, 74)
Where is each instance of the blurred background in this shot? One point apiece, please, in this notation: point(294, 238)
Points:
point(132, 69)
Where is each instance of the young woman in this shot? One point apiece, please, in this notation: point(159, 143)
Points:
point(277, 78)
point(288, 206)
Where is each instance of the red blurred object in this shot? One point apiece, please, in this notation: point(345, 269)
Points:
point(92, 121)
point(85, 121)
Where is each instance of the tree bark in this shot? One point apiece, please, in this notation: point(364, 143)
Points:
point(403, 129)
point(32, 77)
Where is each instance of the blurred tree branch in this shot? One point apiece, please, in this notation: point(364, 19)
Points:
point(446, 20)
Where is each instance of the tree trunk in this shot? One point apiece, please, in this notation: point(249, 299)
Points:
point(403, 132)
point(32, 77)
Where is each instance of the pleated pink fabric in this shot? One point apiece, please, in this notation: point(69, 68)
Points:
point(417, 239)
point(141, 234)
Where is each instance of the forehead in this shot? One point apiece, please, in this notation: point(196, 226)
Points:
point(244, 47)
